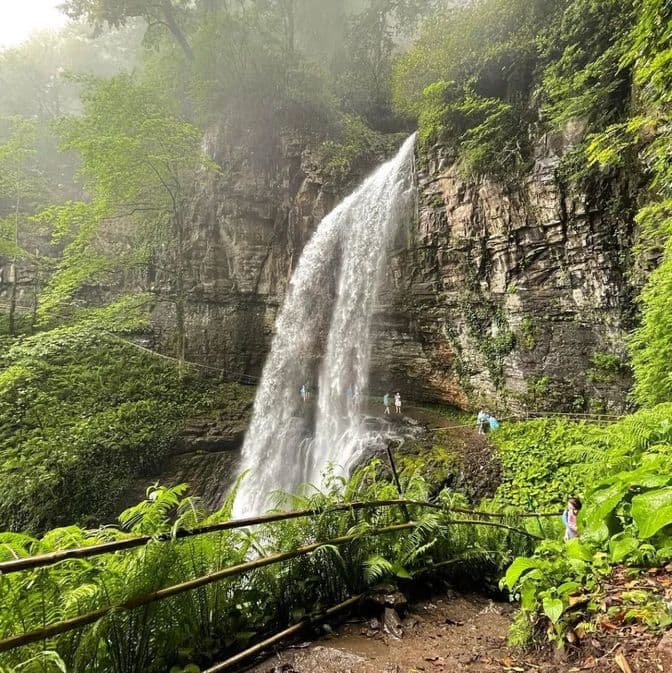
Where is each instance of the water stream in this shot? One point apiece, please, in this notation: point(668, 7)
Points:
point(322, 341)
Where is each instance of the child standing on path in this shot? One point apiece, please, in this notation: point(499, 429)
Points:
point(386, 402)
point(397, 402)
point(569, 518)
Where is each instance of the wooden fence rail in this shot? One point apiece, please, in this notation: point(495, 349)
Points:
point(146, 599)
point(38, 561)
point(285, 633)
point(161, 594)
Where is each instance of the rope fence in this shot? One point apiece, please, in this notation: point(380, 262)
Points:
point(249, 379)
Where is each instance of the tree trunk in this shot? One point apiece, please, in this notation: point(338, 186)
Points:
point(36, 292)
point(14, 268)
point(180, 328)
point(169, 19)
point(14, 278)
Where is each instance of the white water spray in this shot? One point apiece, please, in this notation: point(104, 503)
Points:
point(326, 319)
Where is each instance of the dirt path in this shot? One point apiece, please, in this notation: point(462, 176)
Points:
point(455, 633)
point(451, 633)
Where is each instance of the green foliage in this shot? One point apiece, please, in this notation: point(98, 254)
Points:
point(544, 461)
point(346, 158)
point(485, 131)
point(625, 473)
point(606, 368)
point(137, 153)
point(435, 463)
point(491, 42)
point(547, 460)
point(647, 134)
point(528, 333)
point(167, 14)
point(196, 627)
point(584, 79)
point(651, 344)
point(81, 413)
point(468, 80)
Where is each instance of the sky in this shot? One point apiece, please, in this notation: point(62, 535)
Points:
point(19, 18)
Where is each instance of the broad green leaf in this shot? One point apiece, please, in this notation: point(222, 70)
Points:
point(577, 550)
point(602, 504)
point(652, 511)
point(520, 565)
point(620, 546)
point(567, 588)
point(528, 595)
point(400, 571)
point(553, 609)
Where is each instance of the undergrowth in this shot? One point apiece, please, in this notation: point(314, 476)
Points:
point(624, 474)
point(196, 627)
point(81, 413)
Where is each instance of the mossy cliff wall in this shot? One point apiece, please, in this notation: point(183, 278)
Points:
point(512, 295)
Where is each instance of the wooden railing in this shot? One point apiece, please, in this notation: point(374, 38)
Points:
point(479, 518)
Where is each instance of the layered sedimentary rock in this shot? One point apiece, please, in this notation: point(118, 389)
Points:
point(513, 295)
point(504, 294)
point(249, 225)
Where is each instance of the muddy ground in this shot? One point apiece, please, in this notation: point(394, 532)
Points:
point(456, 634)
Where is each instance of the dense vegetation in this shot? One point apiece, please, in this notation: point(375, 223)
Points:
point(82, 411)
point(191, 629)
point(625, 474)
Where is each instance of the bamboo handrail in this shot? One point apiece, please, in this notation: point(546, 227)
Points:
point(31, 562)
point(38, 561)
point(494, 524)
point(251, 651)
point(91, 617)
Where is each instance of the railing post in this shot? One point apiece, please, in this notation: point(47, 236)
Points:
point(393, 467)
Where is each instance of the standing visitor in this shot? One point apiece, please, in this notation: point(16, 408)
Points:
point(569, 517)
point(387, 400)
point(397, 402)
point(481, 421)
point(304, 393)
point(493, 423)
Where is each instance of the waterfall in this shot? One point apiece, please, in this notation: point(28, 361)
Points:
point(322, 340)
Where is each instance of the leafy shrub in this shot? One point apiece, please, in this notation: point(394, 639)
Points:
point(544, 460)
point(220, 618)
point(82, 413)
point(625, 471)
point(345, 158)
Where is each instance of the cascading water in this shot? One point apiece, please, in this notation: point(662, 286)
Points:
point(327, 312)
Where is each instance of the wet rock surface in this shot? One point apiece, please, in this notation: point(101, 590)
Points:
point(504, 294)
point(248, 226)
point(500, 294)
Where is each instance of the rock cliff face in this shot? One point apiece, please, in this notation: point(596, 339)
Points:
point(513, 296)
point(249, 225)
point(506, 295)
